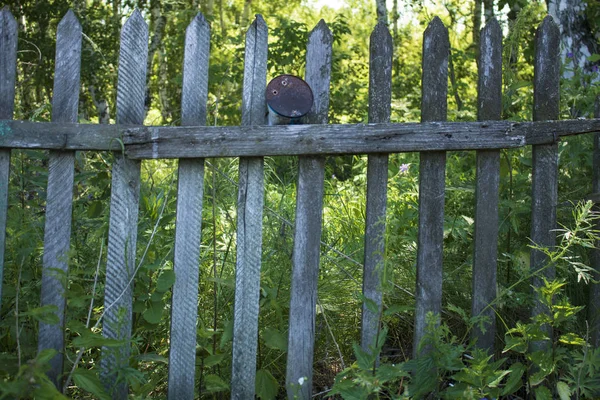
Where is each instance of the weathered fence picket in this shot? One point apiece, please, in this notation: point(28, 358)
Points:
point(124, 204)
point(307, 233)
point(313, 141)
point(188, 227)
point(432, 175)
point(544, 185)
point(249, 219)
point(380, 101)
point(59, 197)
point(8, 77)
point(489, 107)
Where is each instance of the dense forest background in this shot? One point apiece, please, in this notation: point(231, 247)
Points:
point(575, 365)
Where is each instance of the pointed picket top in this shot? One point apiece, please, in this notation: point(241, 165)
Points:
point(132, 70)
point(436, 49)
point(8, 62)
point(6, 17)
point(65, 97)
point(254, 108)
point(198, 22)
point(135, 20)
point(70, 19)
point(195, 72)
point(380, 73)
point(546, 80)
point(318, 71)
point(490, 72)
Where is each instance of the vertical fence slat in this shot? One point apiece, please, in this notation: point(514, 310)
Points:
point(594, 301)
point(380, 97)
point(188, 227)
point(489, 107)
point(8, 75)
point(124, 203)
point(249, 219)
point(307, 234)
point(544, 194)
point(436, 48)
point(59, 201)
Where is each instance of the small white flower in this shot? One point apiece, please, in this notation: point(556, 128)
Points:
point(301, 381)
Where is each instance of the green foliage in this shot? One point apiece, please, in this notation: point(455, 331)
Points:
point(452, 368)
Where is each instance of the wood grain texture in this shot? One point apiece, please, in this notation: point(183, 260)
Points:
point(489, 107)
point(252, 141)
point(124, 204)
point(188, 227)
point(249, 219)
point(544, 192)
point(307, 233)
point(59, 200)
point(380, 98)
point(8, 74)
point(593, 309)
point(432, 168)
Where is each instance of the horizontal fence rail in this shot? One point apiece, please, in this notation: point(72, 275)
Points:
point(311, 142)
point(152, 142)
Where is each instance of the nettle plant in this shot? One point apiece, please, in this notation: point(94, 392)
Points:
point(534, 363)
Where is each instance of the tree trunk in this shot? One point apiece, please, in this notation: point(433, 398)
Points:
point(246, 15)
point(476, 27)
point(157, 24)
point(488, 10)
point(381, 11)
point(577, 40)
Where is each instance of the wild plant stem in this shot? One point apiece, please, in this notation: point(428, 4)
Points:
point(17, 332)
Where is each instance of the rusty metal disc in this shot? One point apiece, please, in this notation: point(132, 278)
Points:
point(289, 96)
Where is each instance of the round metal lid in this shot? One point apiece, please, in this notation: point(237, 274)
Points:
point(289, 96)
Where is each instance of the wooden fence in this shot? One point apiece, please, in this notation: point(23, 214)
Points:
point(191, 143)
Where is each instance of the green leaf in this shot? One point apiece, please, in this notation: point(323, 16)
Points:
point(46, 390)
point(515, 343)
point(274, 339)
point(594, 57)
point(153, 357)
point(46, 355)
point(397, 309)
point(542, 393)
point(514, 381)
point(153, 313)
point(563, 390)
point(364, 360)
point(45, 314)
point(214, 359)
point(89, 339)
point(227, 334)
point(165, 280)
point(266, 385)
point(95, 209)
point(213, 384)
point(88, 380)
point(572, 338)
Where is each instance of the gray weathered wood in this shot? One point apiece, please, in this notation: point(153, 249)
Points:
point(380, 98)
point(59, 200)
point(594, 301)
point(124, 204)
point(252, 141)
point(489, 107)
point(188, 227)
point(8, 73)
point(544, 196)
point(249, 219)
point(307, 234)
point(432, 170)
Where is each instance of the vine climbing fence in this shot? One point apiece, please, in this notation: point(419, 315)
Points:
point(191, 143)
